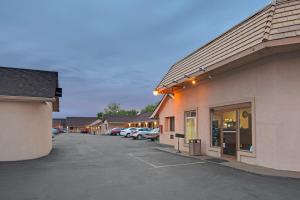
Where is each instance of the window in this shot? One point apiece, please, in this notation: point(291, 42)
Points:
point(245, 129)
point(231, 128)
point(190, 125)
point(216, 123)
point(170, 124)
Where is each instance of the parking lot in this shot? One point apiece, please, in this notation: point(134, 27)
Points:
point(106, 167)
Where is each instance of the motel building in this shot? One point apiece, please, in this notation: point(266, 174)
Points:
point(27, 100)
point(240, 93)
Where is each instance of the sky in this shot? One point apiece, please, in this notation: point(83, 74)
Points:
point(111, 51)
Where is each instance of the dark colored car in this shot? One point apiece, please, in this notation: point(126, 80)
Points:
point(116, 131)
point(85, 131)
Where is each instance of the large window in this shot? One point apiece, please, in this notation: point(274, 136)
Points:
point(190, 125)
point(170, 124)
point(231, 128)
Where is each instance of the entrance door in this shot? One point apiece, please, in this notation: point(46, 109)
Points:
point(229, 132)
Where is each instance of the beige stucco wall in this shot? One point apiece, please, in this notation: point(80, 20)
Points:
point(25, 130)
point(272, 85)
point(166, 110)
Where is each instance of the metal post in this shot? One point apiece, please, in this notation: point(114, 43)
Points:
point(178, 151)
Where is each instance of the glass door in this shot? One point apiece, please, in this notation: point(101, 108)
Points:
point(190, 126)
point(229, 132)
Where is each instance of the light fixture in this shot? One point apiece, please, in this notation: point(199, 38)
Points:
point(194, 82)
point(202, 69)
point(155, 93)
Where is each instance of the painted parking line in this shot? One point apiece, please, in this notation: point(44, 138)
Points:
point(164, 166)
point(142, 160)
point(182, 164)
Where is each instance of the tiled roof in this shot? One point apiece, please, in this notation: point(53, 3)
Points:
point(143, 117)
point(79, 121)
point(56, 122)
point(27, 82)
point(279, 20)
point(96, 123)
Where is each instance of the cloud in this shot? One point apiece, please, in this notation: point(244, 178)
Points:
point(110, 51)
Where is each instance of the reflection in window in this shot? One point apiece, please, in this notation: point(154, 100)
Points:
point(245, 117)
point(190, 126)
point(216, 128)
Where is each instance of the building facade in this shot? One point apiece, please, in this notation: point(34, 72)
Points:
point(105, 125)
point(27, 100)
point(239, 93)
point(79, 124)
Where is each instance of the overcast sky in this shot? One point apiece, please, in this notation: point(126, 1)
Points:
point(113, 50)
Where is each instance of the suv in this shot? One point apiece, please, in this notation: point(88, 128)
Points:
point(126, 132)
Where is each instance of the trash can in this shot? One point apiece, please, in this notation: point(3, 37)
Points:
point(195, 147)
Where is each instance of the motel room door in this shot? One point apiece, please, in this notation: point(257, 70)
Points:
point(229, 133)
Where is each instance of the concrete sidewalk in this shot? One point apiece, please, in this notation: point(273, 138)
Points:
point(234, 164)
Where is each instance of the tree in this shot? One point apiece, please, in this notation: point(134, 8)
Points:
point(114, 109)
point(149, 108)
point(100, 115)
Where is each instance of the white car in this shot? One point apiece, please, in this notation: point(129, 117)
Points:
point(139, 134)
point(126, 132)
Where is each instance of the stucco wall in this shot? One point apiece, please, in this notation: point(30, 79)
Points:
point(166, 111)
point(272, 84)
point(25, 130)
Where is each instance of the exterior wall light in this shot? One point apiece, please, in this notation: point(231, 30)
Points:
point(194, 82)
point(155, 93)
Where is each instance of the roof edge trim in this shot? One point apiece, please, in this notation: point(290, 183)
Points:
point(26, 99)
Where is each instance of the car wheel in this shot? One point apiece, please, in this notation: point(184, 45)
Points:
point(139, 137)
point(128, 135)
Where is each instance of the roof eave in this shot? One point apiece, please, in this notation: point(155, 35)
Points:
point(26, 99)
point(257, 49)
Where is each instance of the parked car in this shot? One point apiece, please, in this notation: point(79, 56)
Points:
point(137, 130)
point(84, 131)
point(126, 132)
point(116, 131)
point(60, 130)
point(139, 134)
point(54, 132)
point(152, 135)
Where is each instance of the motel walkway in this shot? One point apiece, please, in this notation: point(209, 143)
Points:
point(103, 167)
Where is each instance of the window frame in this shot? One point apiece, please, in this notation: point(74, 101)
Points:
point(168, 127)
point(237, 107)
point(196, 122)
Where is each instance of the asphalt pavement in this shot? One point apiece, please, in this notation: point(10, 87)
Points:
point(89, 167)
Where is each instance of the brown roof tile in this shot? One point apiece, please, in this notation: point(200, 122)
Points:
point(79, 121)
point(281, 19)
point(27, 82)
